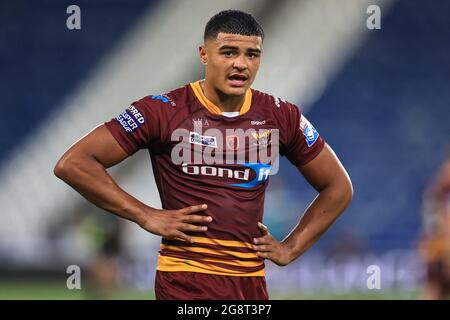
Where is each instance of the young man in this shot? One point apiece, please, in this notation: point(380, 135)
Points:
point(213, 241)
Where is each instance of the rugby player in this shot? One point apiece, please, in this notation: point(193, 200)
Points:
point(214, 243)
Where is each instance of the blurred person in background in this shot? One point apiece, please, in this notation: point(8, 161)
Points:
point(103, 272)
point(435, 240)
point(100, 237)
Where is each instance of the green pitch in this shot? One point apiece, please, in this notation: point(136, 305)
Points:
point(56, 290)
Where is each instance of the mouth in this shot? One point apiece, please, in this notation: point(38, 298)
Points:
point(237, 80)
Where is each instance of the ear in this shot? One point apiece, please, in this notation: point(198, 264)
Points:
point(203, 55)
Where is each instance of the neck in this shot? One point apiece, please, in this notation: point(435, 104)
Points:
point(226, 103)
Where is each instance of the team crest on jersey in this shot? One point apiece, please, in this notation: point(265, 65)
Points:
point(309, 131)
point(207, 141)
point(262, 137)
point(232, 142)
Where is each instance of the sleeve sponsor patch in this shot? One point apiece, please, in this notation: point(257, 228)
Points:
point(130, 119)
point(308, 130)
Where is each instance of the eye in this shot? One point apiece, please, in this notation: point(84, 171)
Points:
point(252, 55)
point(228, 53)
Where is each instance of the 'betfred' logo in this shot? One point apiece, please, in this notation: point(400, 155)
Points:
point(130, 119)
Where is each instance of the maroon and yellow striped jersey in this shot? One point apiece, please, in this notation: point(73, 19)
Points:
point(220, 165)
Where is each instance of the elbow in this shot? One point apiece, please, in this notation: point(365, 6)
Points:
point(346, 191)
point(63, 167)
point(60, 168)
point(341, 193)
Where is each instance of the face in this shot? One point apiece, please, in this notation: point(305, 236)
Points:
point(231, 62)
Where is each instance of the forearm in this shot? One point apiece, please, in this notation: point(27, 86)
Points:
point(90, 178)
point(318, 217)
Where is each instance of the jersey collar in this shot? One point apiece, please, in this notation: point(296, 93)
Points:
point(211, 107)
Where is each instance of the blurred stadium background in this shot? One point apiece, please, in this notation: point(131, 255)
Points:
point(381, 99)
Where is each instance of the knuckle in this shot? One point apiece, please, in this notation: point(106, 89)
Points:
point(184, 226)
point(172, 233)
point(178, 215)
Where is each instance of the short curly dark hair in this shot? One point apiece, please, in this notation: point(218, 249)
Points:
point(235, 22)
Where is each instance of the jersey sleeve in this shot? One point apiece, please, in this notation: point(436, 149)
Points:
point(138, 126)
point(301, 142)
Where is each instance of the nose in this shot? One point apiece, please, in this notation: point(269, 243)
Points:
point(239, 63)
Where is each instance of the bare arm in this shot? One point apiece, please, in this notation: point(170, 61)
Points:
point(84, 166)
point(327, 175)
